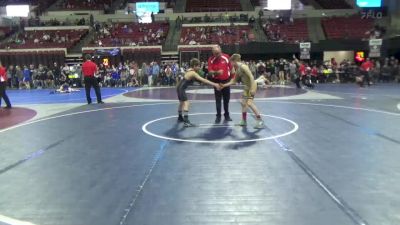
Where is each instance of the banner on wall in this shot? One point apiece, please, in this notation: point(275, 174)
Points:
point(305, 48)
point(375, 48)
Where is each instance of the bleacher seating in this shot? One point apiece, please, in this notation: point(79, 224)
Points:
point(291, 32)
point(142, 55)
point(255, 2)
point(42, 5)
point(347, 27)
point(27, 57)
point(124, 34)
point(54, 39)
point(85, 5)
point(305, 2)
point(212, 5)
point(170, 3)
point(224, 35)
point(6, 31)
point(334, 4)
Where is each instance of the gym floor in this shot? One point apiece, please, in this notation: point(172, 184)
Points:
point(327, 156)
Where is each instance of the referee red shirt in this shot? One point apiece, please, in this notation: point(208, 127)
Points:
point(302, 69)
point(3, 74)
point(89, 68)
point(220, 63)
point(367, 66)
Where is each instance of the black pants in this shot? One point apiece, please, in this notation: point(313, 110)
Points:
point(307, 81)
point(225, 95)
point(297, 82)
point(366, 78)
point(92, 82)
point(3, 94)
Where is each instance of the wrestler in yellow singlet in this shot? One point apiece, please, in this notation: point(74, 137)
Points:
point(244, 74)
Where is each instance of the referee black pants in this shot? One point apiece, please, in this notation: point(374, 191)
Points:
point(92, 82)
point(3, 94)
point(225, 95)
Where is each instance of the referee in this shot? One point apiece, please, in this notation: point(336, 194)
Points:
point(3, 86)
point(219, 69)
point(89, 69)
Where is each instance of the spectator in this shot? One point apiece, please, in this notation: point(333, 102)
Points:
point(27, 78)
point(3, 86)
point(155, 72)
point(18, 77)
point(10, 76)
point(366, 68)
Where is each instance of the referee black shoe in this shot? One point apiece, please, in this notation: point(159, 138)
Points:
point(228, 119)
point(218, 119)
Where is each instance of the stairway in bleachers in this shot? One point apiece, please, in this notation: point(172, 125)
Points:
point(172, 40)
point(180, 6)
point(315, 29)
point(84, 42)
point(259, 32)
point(246, 5)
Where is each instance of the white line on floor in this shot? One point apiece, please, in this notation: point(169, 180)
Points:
point(11, 221)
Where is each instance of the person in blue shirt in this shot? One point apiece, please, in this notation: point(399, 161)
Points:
point(27, 77)
point(150, 75)
point(116, 77)
point(155, 71)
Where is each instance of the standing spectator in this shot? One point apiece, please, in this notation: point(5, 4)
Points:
point(366, 68)
point(124, 74)
point(33, 73)
point(102, 74)
point(26, 81)
point(115, 77)
point(42, 75)
point(253, 67)
point(271, 71)
point(168, 75)
point(219, 68)
point(314, 74)
point(10, 76)
point(396, 71)
point(155, 72)
point(18, 77)
point(56, 73)
point(302, 73)
point(89, 69)
point(281, 67)
point(386, 72)
point(3, 86)
point(293, 72)
point(144, 73)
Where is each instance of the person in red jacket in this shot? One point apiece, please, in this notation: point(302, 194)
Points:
point(366, 67)
point(3, 85)
point(89, 69)
point(219, 70)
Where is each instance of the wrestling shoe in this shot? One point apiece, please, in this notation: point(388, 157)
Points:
point(259, 125)
point(180, 119)
point(242, 123)
point(187, 123)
